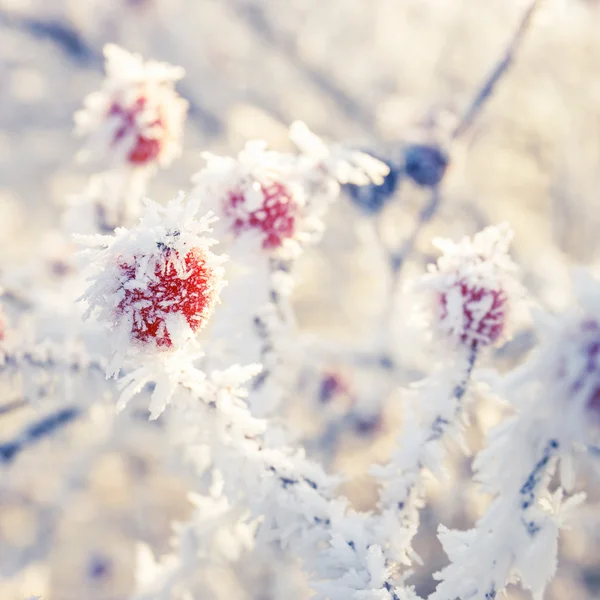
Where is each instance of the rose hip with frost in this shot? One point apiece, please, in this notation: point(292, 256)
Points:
point(472, 289)
point(145, 149)
point(188, 289)
point(479, 312)
point(137, 117)
point(274, 212)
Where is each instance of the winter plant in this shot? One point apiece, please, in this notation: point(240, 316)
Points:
point(167, 335)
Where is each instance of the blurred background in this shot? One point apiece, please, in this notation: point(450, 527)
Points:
point(376, 74)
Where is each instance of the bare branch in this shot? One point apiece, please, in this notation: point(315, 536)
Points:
point(485, 92)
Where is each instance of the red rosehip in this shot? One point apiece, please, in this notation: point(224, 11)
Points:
point(145, 149)
point(481, 317)
point(275, 217)
point(191, 294)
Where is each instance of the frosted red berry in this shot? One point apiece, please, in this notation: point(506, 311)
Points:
point(276, 217)
point(145, 149)
point(478, 316)
point(191, 294)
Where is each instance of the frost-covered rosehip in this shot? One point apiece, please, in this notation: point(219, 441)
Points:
point(137, 117)
point(155, 285)
point(472, 288)
point(270, 208)
point(258, 194)
point(277, 198)
point(176, 287)
point(478, 311)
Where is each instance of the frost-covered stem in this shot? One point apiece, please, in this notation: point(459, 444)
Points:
point(516, 531)
point(500, 69)
point(48, 361)
point(419, 447)
point(271, 482)
point(280, 309)
point(33, 433)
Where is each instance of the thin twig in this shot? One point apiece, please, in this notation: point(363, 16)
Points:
point(485, 92)
point(14, 405)
point(397, 259)
point(254, 15)
point(36, 431)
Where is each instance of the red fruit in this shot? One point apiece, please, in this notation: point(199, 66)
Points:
point(192, 294)
point(145, 149)
point(483, 313)
point(276, 217)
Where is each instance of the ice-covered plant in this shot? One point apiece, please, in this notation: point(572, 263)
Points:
point(184, 353)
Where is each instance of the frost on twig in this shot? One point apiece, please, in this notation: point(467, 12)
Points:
point(554, 394)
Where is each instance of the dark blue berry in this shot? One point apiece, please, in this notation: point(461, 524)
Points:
point(372, 198)
point(425, 165)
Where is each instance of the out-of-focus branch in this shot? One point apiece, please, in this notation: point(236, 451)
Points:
point(254, 15)
point(14, 405)
point(501, 68)
point(65, 37)
point(61, 34)
point(35, 432)
point(397, 259)
point(426, 164)
point(14, 361)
